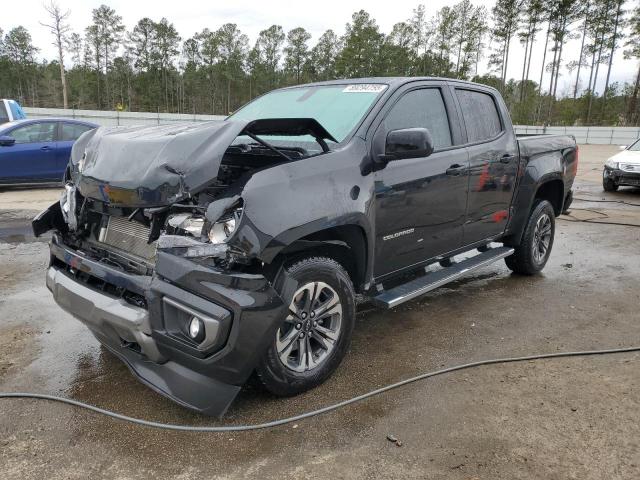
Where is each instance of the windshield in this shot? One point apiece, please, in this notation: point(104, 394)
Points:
point(338, 108)
point(635, 147)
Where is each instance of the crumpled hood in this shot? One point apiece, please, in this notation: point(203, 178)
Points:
point(150, 166)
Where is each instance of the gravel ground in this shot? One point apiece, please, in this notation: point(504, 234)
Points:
point(553, 419)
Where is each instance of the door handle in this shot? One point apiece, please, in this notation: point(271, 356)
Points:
point(455, 169)
point(46, 147)
point(507, 158)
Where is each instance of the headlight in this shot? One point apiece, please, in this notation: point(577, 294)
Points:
point(611, 163)
point(193, 225)
point(189, 224)
point(222, 230)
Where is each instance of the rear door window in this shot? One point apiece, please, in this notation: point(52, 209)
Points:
point(423, 108)
point(71, 131)
point(480, 115)
point(35, 133)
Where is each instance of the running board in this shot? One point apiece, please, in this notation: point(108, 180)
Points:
point(430, 281)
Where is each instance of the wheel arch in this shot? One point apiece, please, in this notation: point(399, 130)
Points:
point(549, 187)
point(551, 190)
point(347, 244)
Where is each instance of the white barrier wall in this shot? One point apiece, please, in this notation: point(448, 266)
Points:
point(114, 118)
point(587, 135)
point(584, 135)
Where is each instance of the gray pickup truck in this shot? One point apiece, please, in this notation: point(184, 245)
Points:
point(201, 254)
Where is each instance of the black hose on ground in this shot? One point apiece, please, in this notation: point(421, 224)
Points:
point(622, 202)
point(320, 411)
point(571, 218)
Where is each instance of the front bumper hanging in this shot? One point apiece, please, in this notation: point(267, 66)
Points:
point(243, 312)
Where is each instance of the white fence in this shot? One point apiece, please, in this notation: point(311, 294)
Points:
point(587, 135)
point(584, 135)
point(114, 118)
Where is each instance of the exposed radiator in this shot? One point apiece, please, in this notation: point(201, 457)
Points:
point(130, 237)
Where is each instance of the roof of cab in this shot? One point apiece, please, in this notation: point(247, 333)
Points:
point(391, 81)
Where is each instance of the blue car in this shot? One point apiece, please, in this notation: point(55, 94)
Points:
point(37, 151)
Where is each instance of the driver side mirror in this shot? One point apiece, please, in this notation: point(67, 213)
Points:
point(6, 140)
point(408, 143)
point(623, 147)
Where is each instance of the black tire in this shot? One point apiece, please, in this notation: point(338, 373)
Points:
point(281, 379)
point(525, 260)
point(609, 185)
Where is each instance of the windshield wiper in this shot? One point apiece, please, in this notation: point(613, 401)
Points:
point(269, 146)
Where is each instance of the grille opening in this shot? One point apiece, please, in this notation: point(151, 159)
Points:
point(96, 283)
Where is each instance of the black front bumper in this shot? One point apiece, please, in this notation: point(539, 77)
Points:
point(244, 312)
point(622, 177)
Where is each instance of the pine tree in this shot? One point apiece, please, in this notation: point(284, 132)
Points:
point(562, 14)
point(362, 44)
point(469, 26)
point(633, 51)
point(613, 40)
point(20, 52)
point(505, 15)
point(107, 28)
point(233, 46)
point(531, 17)
point(270, 45)
point(443, 25)
point(297, 52)
point(323, 56)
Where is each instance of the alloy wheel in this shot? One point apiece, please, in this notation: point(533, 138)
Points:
point(312, 327)
point(541, 238)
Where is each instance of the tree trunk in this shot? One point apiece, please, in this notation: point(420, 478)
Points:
point(524, 69)
point(595, 80)
point(584, 34)
point(63, 78)
point(553, 70)
point(478, 53)
point(544, 59)
point(591, 70)
point(633, 101)
point(613, 49)
point(559, 63)
point(533, 39)
point(106, 76)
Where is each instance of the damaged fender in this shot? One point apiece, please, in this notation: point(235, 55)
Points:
point(264, 231)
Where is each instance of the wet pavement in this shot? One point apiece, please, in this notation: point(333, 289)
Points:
point(566, 418)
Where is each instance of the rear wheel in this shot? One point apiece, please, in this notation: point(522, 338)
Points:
point(532, 254)
point(314, 336)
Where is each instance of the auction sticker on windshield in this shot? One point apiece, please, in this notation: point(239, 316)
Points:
point(365, 88)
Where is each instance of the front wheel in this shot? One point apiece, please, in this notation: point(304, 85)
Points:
point(314, 336)
point(609, 185)
point(532, 254)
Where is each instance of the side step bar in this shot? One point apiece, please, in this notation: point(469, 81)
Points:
point(430, 281)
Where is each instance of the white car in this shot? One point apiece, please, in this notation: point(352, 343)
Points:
point(623, 168)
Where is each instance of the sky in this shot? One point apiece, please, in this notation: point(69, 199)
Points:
point(191, 16)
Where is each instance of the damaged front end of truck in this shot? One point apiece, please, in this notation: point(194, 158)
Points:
point(154, 250)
